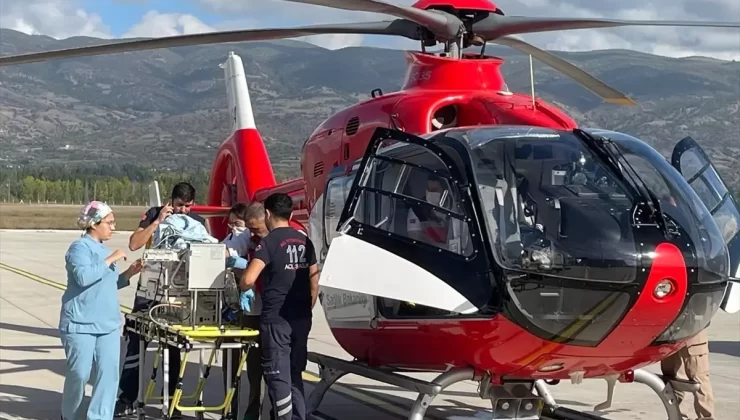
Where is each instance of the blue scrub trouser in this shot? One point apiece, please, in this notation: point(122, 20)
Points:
point(83, 351)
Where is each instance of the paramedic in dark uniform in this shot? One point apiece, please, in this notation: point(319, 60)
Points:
point(181, 199)
point(289, 293)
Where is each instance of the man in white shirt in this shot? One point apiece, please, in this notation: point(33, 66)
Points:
point(247, 223)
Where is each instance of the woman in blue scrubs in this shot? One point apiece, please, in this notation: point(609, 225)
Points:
point(90, 319)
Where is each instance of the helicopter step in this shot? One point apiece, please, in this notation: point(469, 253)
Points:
point(517, 400)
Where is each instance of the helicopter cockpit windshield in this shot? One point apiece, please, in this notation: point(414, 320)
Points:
point(553, 206)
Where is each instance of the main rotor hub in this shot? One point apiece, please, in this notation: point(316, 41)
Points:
point(469, 12)
point(478, 5)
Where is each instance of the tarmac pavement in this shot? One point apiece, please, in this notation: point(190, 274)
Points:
point(32, 280)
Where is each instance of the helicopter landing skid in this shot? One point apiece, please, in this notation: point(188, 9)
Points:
point(331, 369)
point(502, 398)
point(660, 384)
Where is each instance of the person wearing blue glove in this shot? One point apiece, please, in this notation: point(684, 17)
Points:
point(286, 258)
point(246, 298)
point(247, 224)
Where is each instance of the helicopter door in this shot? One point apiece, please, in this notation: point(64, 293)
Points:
point(694, 164)
point(400, 241)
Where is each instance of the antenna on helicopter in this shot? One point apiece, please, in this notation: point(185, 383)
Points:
point(531, 78)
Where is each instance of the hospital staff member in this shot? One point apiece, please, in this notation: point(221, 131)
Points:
point(289, 293)
point(90, 319)
point(181, 200)
point(247, 224)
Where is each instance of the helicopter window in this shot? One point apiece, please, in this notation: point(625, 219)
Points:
point(554, 208)
point(566, 314)
point(694, 318)
point(337, 191)
point(680, 203)
point(407, 191)
point(674, 206)
point(703, 179)
point(727, 219)
point(657, 184)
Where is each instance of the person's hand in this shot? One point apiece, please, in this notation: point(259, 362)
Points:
point(135, 268)
point(115, 256)
point(246, 299)
point(165, 212)
point(236, 262)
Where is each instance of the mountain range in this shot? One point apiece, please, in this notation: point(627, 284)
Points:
point(167, 107)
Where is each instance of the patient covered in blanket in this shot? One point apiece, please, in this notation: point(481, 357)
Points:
point(178, 230)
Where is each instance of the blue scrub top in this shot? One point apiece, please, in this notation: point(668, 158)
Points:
point(90, 302)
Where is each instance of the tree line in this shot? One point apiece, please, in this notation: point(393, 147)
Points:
point(115, 185)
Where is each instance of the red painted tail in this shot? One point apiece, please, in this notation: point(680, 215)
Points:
point(242, 166)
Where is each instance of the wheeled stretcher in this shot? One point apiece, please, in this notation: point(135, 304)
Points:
point(188, 338)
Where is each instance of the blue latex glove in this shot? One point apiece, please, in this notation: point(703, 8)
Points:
point(236, 262)
point(246, 299)
point(228, 315)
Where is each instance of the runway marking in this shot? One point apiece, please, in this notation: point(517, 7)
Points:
point(125, 309)
point(374, 402)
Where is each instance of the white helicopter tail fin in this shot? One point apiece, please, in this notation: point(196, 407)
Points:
point(237, 93)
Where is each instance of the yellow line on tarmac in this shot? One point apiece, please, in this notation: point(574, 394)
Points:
point(54, 284)
point(307, 376)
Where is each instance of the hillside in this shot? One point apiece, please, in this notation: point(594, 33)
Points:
point(169, 105)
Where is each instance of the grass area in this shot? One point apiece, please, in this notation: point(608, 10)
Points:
point(60, 216)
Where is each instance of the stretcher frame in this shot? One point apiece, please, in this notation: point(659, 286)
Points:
point(188, 338)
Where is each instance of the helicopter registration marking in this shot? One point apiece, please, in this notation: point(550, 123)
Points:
point(418, 75)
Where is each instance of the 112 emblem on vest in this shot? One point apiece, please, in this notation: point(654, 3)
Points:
point(296, 250)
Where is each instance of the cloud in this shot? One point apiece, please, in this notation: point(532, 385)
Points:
point(55, 18)
point(668, 41)
point(155, 24)
point(279, 13)
point(331, 42)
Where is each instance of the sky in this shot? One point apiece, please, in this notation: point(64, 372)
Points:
point(153, 18)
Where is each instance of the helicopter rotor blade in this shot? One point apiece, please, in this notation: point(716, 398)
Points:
point(398, 27)
point(588, 81)
point(495, 26)
point(444, 25)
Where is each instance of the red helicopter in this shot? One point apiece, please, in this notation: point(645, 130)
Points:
point(488, 237)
